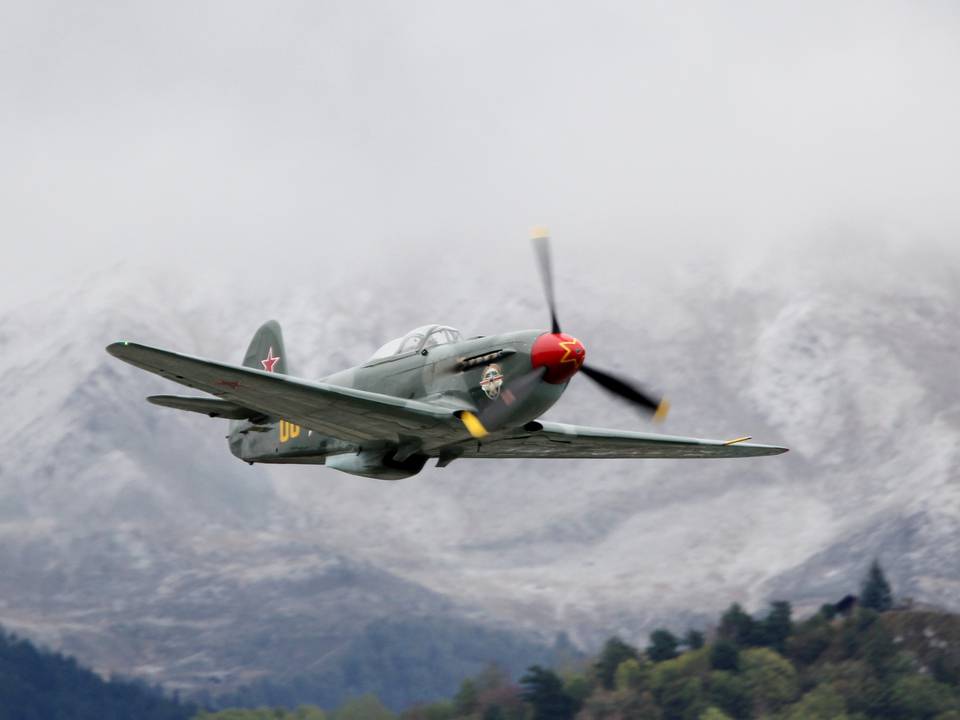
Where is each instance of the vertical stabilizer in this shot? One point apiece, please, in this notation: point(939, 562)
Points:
point(266, 351)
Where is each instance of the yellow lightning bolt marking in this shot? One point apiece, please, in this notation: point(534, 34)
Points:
point(568, 354)
point(473, 425)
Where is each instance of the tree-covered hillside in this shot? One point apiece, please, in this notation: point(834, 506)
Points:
point(855, 660)
point(39, 685)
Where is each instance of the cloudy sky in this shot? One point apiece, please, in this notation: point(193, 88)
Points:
point(260, 137)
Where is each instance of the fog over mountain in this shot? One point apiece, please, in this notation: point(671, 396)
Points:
point(754, 210)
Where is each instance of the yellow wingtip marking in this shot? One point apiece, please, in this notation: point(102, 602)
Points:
point(739, 440)
point(539, 232)
point(473, 425)
point(663, 409)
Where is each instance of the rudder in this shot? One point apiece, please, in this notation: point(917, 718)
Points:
point(266, 351)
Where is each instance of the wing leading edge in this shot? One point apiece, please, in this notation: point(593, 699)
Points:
point(344, 413)
point(559, 440)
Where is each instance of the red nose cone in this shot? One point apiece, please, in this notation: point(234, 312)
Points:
point(560, 354)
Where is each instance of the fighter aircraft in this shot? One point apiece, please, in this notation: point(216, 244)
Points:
point(429, 394)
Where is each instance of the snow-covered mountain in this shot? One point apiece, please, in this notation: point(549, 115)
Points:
point(132, 538)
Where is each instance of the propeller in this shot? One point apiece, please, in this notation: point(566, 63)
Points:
point(541, 246)
point(621, 387)
point(556, 358)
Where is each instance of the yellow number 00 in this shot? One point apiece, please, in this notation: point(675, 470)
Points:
point(288, 430)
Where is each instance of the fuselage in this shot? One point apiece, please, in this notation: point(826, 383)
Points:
point(467, 375)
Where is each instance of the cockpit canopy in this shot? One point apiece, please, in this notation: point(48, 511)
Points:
point(420, 338)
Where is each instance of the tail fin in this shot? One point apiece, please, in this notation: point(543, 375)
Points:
point(266, 351)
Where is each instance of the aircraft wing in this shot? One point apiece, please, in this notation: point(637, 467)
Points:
point(344, 413)
point(558, 440)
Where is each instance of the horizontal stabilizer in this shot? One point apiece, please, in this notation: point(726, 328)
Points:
point(208, 406)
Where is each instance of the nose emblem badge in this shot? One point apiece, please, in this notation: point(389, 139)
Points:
point(491, 381)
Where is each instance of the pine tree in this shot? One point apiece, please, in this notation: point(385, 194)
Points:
point(738, 627)
point(876, 593)
point(778, 625)
point(466, 700)
point(663, 645)
point(543, 689)
point(615, 651)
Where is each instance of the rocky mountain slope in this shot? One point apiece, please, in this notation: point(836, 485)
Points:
point(131, 538)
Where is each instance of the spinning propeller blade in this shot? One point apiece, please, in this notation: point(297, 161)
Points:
point(628, 391)
point(541, 246)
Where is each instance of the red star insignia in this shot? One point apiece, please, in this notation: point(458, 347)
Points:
point(270, 360)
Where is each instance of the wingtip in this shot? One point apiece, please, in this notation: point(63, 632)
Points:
point(767, 449)
point(115, 348)
point(773, 449)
